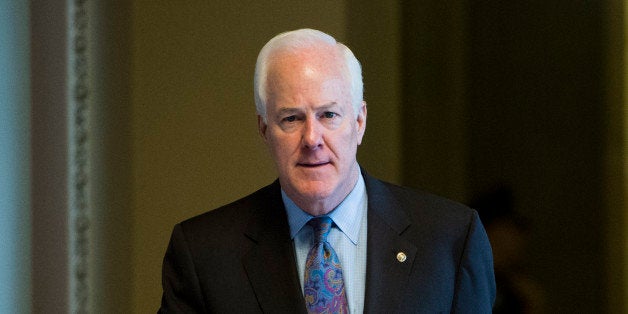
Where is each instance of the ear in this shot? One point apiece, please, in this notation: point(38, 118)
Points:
point(361, 122)
point(261, 127)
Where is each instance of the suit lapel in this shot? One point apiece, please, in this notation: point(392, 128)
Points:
point(270, 263)
point(390, 257)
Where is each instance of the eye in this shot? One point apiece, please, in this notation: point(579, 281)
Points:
point(289, 119)
point(329, 115)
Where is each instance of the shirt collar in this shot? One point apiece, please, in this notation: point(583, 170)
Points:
point(347, 215)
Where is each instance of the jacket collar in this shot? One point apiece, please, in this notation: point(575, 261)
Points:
point(270, 263)
point(390, 257)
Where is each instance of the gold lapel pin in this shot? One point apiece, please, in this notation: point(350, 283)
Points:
point(401, 257)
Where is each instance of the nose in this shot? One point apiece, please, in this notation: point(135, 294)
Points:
point(312, 137)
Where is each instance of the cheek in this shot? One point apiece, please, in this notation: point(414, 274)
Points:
point(280, 147)
point(350, 138)
point(347, 145)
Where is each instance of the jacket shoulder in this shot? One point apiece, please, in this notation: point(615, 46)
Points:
point(232, 218)
point(417, 205)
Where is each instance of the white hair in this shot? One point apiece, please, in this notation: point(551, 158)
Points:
point(296, 40)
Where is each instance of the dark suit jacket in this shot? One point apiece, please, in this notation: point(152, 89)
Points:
point(240, 259)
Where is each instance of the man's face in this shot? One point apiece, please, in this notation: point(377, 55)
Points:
point(312, 130)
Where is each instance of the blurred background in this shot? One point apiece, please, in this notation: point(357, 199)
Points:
point(119, 119)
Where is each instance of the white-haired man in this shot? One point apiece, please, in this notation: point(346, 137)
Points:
point(325, 237)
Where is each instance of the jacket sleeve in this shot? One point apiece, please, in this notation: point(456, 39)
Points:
point(475, 279)
point(181, 289)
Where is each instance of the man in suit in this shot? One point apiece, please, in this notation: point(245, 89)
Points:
point(389, 249)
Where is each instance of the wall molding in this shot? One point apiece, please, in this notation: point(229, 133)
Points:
point(79, 137)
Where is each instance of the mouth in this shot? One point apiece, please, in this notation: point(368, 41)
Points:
point(313, 164)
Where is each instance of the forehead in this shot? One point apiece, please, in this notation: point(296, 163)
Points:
point(306, 64)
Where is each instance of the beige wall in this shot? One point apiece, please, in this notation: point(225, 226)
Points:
point(193, 127)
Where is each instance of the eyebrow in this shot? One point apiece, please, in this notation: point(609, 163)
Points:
point(288, 110)
point(328, 106)
point(291, 110)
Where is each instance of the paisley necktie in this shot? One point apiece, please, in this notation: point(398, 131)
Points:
point(324, 288)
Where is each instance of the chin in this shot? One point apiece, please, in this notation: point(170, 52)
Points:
point(317, 190)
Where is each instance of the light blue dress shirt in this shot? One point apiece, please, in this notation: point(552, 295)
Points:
point(347, 237)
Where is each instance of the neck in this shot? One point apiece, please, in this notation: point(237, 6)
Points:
point(317, 207)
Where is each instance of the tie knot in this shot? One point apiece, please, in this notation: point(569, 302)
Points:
point(321, 226)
